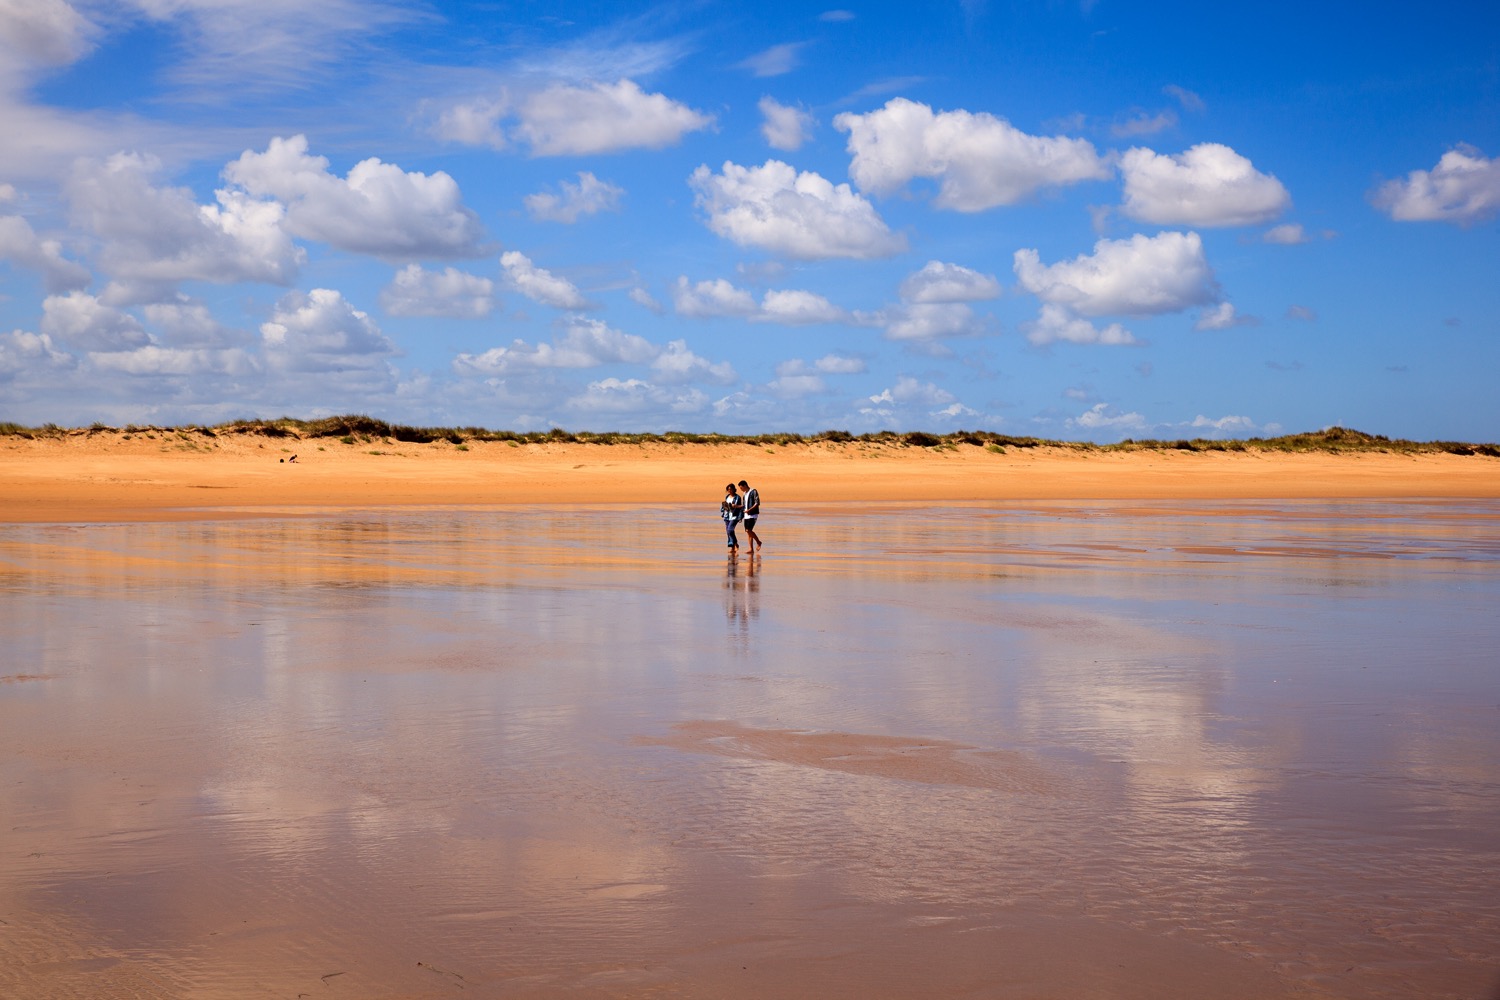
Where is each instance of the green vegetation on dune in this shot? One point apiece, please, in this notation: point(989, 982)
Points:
point(357, 428)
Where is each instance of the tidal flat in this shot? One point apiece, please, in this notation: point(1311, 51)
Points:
point(1122, 749)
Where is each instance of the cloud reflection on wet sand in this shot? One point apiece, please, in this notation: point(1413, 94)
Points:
point(543, 750)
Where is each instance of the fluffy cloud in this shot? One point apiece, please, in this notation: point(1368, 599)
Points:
point(784, 127)
point(1463, 188)
point(80, 320)
point(156, 360)
point(796, 378)
point(613, 396)
point(539, 284)
point(802, 216)
point(909, 390)
point(1098, 417)
point(320, 331)
point(1057, 323)
point(20, 245)
point(585, 343)
point(21, 351)
point(568, 120)
point(377, 209)
point(978, 160)
point(451, 292)
point(929, 321)
point(589, 196)
point(935, 304)
point(1223, 425)
point(44, 32)
point(718, 297)
point(1222, 317)
point(711, 298)
point(794, 307)
point(940, 282)
point(677, 364)
point(1209, 185)
point(186, 323)
point(473, 123)
point(161, 234)
point(1141, 276)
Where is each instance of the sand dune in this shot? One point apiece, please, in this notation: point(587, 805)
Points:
point(109, 476)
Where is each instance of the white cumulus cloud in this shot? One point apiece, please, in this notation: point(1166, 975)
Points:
point(156, 360)
point(474, 122)
point(80, 320)
point(570, 120)
point(798, 215)
point(1463, 188)
point(377, 209)
point(539, 284)
point(1099, 417)
point(978, 160)
point(677, 364)
point(23, 351)
point(21, 246)
point(1222, 317)
point(717, 297)
point(186, 323)
point(1139, 276)
point(44, 32)
point(613, 397)
point(588, 197)
point(161, 234)
point(450, 292)
point(929, 321)
point(795, 307)
point(585, 343)
point(1208, 185)
point(321, 331)
point(940, 282)
point(784, 127)
point(1057, 323)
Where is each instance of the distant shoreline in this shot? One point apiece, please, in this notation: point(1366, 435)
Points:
point(174, 474)
point(352, 429)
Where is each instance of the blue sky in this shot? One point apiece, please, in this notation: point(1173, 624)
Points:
point(1083, 220)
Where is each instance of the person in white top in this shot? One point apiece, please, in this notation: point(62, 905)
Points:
point(752, 511)
point(731, 509)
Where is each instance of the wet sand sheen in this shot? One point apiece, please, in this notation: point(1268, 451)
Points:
point(1137, 751)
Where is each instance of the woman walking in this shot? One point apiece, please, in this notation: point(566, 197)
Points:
point(731, 509)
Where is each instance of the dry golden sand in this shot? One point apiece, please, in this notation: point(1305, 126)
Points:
point(109, 476)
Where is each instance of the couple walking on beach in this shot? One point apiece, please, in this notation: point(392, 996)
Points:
point(738, 507)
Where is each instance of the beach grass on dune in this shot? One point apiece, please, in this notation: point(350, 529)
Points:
point(359, 428)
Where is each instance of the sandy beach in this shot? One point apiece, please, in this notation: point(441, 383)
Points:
point(119, 477)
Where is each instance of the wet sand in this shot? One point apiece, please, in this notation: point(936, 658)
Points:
point(112, 477)
point(1240, 749)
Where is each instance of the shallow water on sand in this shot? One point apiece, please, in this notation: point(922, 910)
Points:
point(1122, 750)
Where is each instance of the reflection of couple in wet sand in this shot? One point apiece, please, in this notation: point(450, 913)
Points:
point(738, 508)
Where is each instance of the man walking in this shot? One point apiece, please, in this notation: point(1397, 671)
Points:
point(752, 511)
